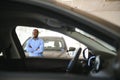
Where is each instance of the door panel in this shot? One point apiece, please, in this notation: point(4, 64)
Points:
point(44, 64)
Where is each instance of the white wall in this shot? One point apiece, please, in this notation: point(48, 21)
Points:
point(106, 9)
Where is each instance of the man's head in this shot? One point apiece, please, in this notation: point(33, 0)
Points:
point(35, 33)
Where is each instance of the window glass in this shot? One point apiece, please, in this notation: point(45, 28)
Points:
point(56, 45)
point(52, 44)
point(96, 39)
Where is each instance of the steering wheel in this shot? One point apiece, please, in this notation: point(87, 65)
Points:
point(96, 64)
point(73, 61)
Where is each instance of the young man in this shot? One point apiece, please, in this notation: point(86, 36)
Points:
point(35, 45)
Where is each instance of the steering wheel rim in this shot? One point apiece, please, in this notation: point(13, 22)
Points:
point(97, 63)
point(73, 61)
point(84, 53)
point(89, 60)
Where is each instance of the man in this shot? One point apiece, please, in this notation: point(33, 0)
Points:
point(35, 45)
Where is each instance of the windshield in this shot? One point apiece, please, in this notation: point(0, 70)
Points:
point(52, 44)
point(104, 44)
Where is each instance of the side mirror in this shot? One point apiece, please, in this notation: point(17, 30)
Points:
point(25, 51)
point(71, 49)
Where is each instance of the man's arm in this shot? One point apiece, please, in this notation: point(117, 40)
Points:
point(28, 47)
point(40, 49)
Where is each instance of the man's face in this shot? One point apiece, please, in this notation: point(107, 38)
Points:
point(35, 33)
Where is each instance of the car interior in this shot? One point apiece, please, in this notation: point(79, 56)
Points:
point(103, 49)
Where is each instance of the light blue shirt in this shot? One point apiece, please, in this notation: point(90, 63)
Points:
point(35, 47)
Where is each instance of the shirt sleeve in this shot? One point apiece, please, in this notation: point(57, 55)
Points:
point(28, 48)
point(41, 47)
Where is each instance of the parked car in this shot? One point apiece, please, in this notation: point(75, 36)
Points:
point(54, 47)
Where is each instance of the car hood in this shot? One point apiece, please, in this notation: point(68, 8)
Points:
point(55, 54)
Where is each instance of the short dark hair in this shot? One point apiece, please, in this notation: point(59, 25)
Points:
point(36, 30)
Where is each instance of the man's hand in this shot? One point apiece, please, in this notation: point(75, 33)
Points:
point(37, 48)
point(30, 46)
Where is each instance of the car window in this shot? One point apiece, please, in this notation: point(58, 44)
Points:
point(56, 45)
point(52, 45)
point(106, 45)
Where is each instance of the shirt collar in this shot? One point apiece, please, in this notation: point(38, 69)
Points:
point(35, 38)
